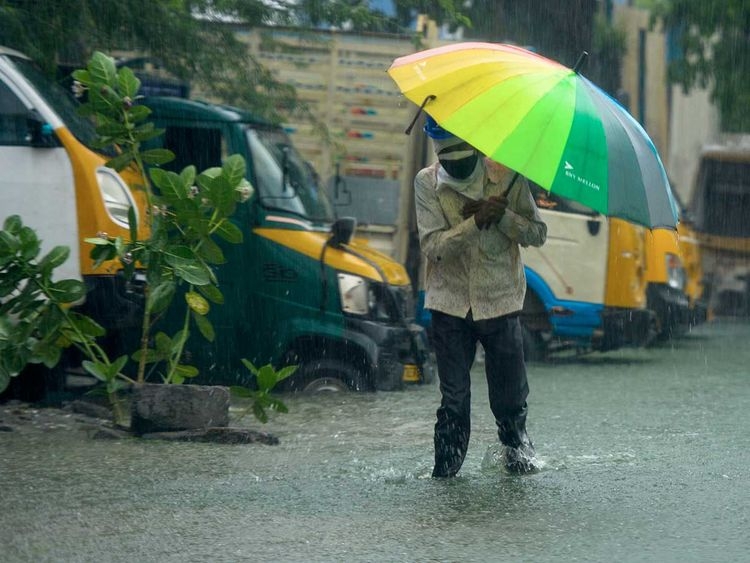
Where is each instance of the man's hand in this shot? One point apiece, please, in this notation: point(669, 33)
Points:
point(486, 212)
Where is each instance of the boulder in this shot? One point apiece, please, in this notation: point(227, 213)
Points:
point(167, 408)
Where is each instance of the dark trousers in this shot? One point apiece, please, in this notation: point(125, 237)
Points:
point(454, 343)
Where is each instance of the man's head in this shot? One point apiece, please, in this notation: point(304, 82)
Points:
point(457, 157)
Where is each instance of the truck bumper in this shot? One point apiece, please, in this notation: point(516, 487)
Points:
point(624, 328)
point(671, 307)
point(401, 354)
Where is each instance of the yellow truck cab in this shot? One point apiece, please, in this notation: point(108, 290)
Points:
point(300, 288)
point(59, 186)
point(586, 285)
point(667, 282)
point(692, 261)
point(719, 210)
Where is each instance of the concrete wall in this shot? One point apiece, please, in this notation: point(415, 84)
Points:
point(679, 124)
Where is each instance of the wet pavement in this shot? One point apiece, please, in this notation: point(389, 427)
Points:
point(644, 452)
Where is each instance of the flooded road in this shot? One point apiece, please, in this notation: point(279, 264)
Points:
point(646, 458)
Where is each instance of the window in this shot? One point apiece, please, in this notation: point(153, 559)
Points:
point(14, 127)
point(727, 198)
point(201, 147)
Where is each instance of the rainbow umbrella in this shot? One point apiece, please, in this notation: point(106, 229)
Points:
point(546, 122)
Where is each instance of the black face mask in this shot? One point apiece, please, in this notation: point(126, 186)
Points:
point(462, 168)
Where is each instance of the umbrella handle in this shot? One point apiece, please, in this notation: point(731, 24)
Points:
point(419, 112)
point(513, 181)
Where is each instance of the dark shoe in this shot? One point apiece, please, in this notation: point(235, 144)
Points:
point(520, 460)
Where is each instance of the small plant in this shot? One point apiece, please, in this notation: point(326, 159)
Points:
point(185, 213)
point(36, 319)
point(266, 378)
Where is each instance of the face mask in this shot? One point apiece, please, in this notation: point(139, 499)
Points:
point(459, 164)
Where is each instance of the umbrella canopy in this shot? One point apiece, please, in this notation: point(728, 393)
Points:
point(545, 121)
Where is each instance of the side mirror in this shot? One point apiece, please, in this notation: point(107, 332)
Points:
point(40, 133)
point(342, 231)
point(339, 188)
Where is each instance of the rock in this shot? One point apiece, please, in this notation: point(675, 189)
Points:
point(91, 409)
point(167, 408)
point(219, 435)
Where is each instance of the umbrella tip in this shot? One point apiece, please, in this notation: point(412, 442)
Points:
point(419, 112)
point(581, 59)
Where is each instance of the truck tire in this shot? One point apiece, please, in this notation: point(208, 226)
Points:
point(327, 376)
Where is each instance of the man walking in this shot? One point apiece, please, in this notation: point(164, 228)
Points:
point(470, 230)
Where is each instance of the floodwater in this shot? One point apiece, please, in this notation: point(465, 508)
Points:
point(645, 458)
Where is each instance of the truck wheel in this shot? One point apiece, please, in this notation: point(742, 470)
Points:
point(326, 376)
point(534, 347)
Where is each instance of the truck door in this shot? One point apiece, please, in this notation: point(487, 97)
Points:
point(36, 178)
point(573, 261)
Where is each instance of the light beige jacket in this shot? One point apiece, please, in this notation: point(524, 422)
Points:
point(469, 268)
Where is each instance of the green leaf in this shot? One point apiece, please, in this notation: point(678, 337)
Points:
point(111, 129)
point(47, 354)
point(170, 184)
point(86, 325)
point(97, 369)
point(121, 161)
point(139, 113)
point(277, 405)
point(206, 178)
point(223, 196)
point(98, 241)
point(50, 321)
point(249, 365)
point(157, 156)
point(186, 371)
point(55, 257)
point(197, 303)
point(13, 224)
point(101, 253)
point(178, 255)
point(152, 356)
point(146, 132)
point(133, 223)
point(177, 341)
point(8, 244)
point(195, 274)
point(161, 296)
point(188, 175)
point(211, 252)
point(266, 378)
point(163, 344)
point(212, 293)
point(67, 291)
point(259, 413)
point(285, 372)
point(30, 243)
point(229, 232)
point(204, 327)
point(82, 76)
point(118, 364)
point(102, 69)
point(233, 169)
point(128, 82)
